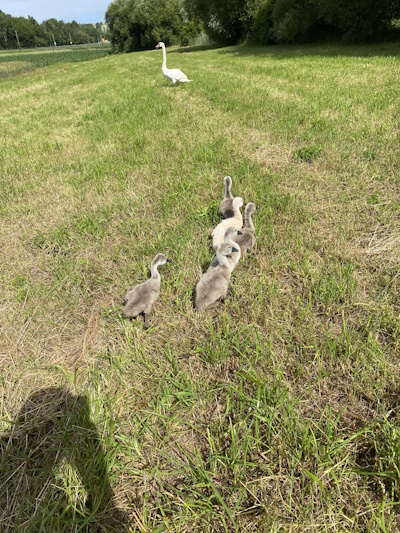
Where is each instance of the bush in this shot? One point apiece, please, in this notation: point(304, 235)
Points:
point(288, 21)
point(225, 21)
point(262, 27)
point(136, 25)
point(361, 19)
point(190, 30)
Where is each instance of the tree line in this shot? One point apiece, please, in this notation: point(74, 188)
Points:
point(139, 24)
point(30, 33)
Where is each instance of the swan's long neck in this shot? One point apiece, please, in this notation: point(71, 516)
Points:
point(228, 194)
point(154, 272)
point(238, 214)
point(164, 54)
point(248, 223)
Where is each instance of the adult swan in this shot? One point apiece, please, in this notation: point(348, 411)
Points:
point(172, 74)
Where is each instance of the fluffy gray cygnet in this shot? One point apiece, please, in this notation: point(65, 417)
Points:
point(213, 285)
point(140, 299)
point(247, 239)
point(225, 209)
point(230, 234)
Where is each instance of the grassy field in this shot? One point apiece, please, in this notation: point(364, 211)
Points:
point(15, 62)
point(278, 411)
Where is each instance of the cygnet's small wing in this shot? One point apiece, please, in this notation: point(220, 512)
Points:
point(134, 301)
point(212, 287)
point(226, 209)
point(133, 308)
point(140, 298)
point(130, 295)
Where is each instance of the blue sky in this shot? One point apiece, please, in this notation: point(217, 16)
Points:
point(82, 11)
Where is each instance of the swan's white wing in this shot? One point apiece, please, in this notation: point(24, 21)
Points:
point(175, 74)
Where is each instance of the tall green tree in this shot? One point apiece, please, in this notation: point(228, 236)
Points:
point(31, 33)
point(286, 21)
point(225, 21)
point(139, 24)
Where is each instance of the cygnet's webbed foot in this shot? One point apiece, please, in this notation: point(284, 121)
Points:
point(216, 304)
point(222, 301)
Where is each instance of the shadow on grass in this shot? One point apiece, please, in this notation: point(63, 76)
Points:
point(198, 48)
point(53, 427)
point(277, 51)
point(389, 48)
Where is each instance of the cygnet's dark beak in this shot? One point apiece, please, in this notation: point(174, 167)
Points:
point(240, 232)
point(234, 250)
point(169, 261)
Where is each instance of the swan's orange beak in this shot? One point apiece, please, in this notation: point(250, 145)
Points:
point(158, 45)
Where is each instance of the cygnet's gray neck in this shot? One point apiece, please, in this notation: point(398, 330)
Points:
point(154, 272)
point(228, 193)
point(248, 221)
point(222, 260)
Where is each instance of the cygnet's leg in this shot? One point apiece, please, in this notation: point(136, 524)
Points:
point(145, 325)
point(221, 301)
point(229, 293)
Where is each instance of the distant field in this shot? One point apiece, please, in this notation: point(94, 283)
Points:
point(276, 412)
point(14, 62)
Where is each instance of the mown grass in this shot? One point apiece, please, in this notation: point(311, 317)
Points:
point(16, 62)
point(279, 411)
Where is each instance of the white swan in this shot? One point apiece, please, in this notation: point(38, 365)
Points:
point(172, 74)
